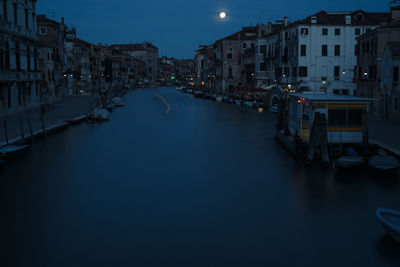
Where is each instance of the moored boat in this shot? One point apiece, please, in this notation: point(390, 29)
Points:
point(384, 164)
point(248, 104)
point(390, 219)
point(117, 101)
point(273, 108)
point(349, 162)
point(218, 98)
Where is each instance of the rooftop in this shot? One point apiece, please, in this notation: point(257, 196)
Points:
point(358, 17)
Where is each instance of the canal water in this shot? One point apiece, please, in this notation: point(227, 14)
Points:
point(176, 181)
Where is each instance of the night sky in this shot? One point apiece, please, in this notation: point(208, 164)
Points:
point(177, 27)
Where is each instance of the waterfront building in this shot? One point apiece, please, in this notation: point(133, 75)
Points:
point(319, 53)
point(166, 69)
point(267, 55)
point(230, 70)
point(19, 71)
point(145, 52)
point(390, 80)
point(205, 63)
point(97, 67)
point(52, 59)
point(370, 50)
point(184, 69)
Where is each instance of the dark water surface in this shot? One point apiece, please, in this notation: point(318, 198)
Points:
point(202, 185)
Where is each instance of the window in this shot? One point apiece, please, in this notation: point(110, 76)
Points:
point(303, 50)
point(304, 31)
point(230, 72)
point(336, 72)
point(357, 31)
point(9, 97)
point(286, 72)
point(337, 50)
point(345, 117)
point(17, 57)
point(395, 74)
point(49, 75)
point(263, 49)
point(244, 45)
point(35, 58)
point(43, 31)
point(337, 117)
point(324, 31)
point(7, 56)
point(354, 117)
point(294, 71)
point(303, 71)
point(324, 50)
point(396, 104)
point(337, 31)
point(229, 56)
point(19, 95)
point(345, 92)
point(357, 50)
point(263, 66)
point(15, 13)
point(5, 10)
point(336, 91)
point(252, 45)
point(26, 19)
point(28, 58)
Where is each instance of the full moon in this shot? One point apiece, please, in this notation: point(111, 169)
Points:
point(222, 15)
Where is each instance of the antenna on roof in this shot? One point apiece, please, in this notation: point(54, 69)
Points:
point(329, 4)
point(262, 12)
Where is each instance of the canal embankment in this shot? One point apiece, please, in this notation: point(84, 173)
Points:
point(58, 116)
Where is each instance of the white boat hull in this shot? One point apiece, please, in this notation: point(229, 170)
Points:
point(390, 219)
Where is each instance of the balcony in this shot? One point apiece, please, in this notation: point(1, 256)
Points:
point(17, 30)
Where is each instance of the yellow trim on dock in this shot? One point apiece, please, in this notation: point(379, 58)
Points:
point(345, 129)
point(362, 106)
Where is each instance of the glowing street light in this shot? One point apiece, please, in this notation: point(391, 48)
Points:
point(222, 15)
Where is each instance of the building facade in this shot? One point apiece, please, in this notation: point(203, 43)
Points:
point(370, 50)
point(51, 58)
point(319, 53)
point(19, 71)
point(145, 52)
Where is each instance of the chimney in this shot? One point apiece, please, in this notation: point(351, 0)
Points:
point(314, 20)
point(62, 20)
point(348, 19)
point(286, 19)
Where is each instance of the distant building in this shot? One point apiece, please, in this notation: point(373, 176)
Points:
point(19, 71)
point(51, 58)
point(145, 52)
point(267, 60)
